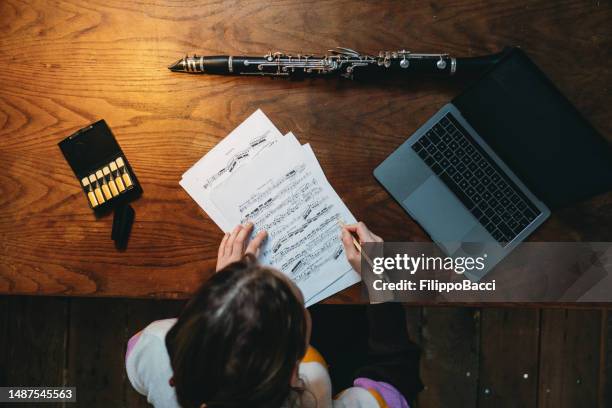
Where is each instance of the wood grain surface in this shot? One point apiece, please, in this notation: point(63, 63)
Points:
point(68, 63)
point(509, 356)
point(450, 349)
point(571, 382)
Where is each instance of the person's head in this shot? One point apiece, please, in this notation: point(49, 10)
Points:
point(238, 341)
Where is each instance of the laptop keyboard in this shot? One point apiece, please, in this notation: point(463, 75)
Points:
point(468, 171)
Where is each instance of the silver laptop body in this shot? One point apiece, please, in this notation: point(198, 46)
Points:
point(440, 182)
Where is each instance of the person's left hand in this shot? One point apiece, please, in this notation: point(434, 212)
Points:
point(234, 245)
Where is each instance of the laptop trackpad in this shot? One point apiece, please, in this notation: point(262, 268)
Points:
point(442, 215)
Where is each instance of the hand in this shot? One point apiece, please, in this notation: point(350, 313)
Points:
point(363, 235)
point(234, 245)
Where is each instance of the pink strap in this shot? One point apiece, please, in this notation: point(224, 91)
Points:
point(390, 394)
point(131, 343)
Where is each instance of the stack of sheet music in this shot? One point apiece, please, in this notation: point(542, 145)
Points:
point(256, 174)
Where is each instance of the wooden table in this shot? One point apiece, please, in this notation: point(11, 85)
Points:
point(66, 64)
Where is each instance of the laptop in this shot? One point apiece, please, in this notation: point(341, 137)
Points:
point(488, 168)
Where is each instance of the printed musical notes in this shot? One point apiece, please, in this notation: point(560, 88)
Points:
point(257, 175)
point(243, 143)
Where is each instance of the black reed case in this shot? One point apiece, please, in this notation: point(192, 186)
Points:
point(101, 168)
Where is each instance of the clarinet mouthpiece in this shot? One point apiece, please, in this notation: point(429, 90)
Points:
point(197, 64)
point(178, 66)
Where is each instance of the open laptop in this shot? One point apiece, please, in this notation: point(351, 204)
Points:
point(487, 169)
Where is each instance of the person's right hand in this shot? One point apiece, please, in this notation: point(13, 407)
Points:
point(363, 235)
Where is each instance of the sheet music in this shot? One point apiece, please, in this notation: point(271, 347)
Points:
point(284, 192)
point(349, 278)
point(254, 135)
point(304, 230)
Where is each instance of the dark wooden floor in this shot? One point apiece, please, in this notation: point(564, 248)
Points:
point(472, 357)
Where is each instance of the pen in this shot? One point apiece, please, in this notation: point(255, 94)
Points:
point(357, 245)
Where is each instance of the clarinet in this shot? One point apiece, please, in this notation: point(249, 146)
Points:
point(340, 61)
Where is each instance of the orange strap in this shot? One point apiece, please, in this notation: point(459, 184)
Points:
point(381, 402)
point(313, 356)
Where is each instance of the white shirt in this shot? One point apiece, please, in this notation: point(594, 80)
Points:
point(148, 368)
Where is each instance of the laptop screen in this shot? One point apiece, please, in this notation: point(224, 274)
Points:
point(538, 132)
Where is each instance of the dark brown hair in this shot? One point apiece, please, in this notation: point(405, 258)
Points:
point(238, 339)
